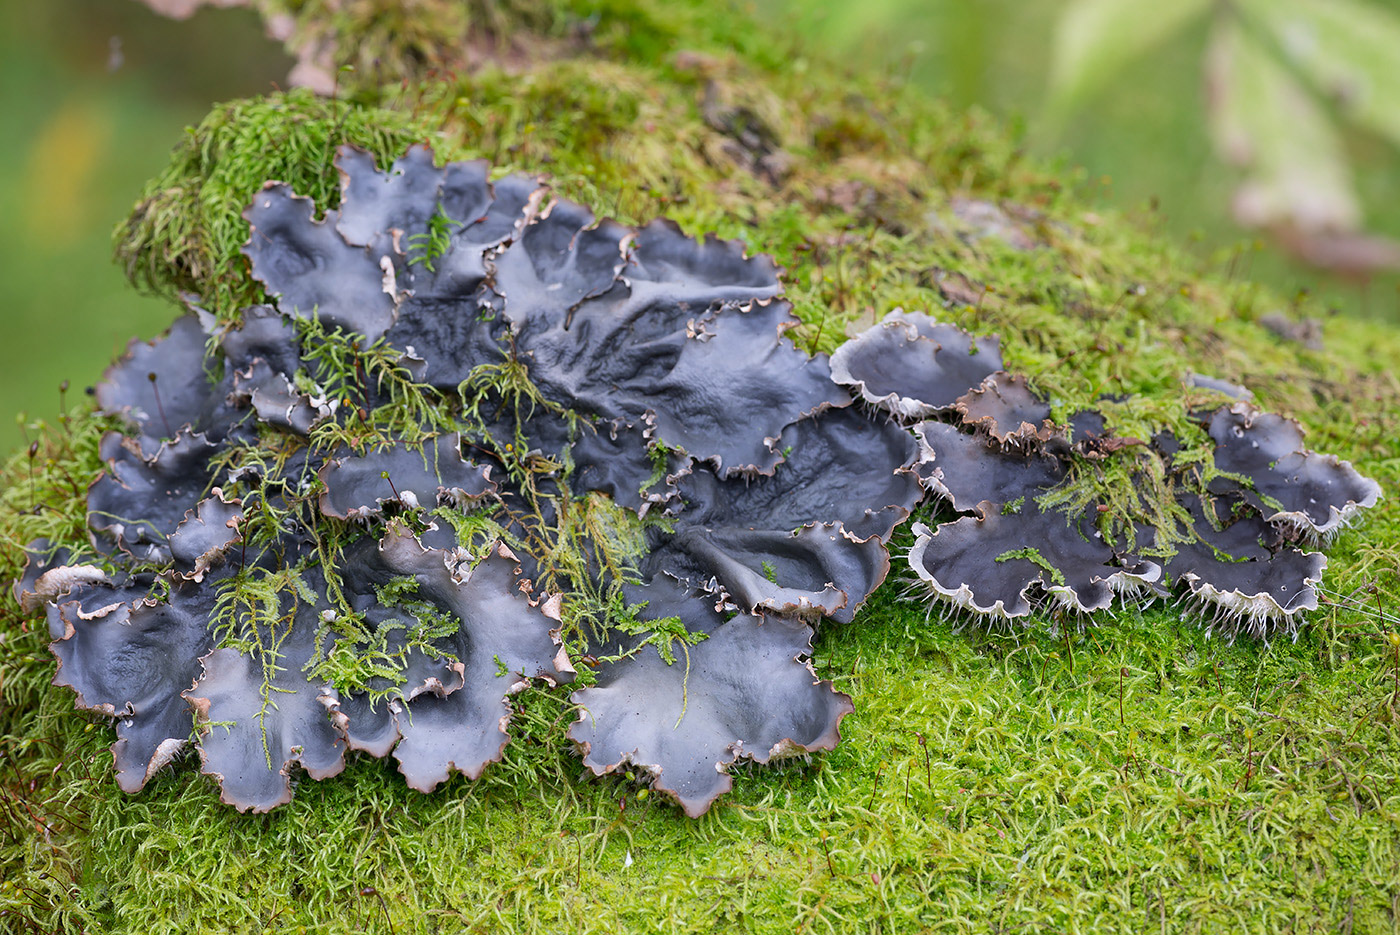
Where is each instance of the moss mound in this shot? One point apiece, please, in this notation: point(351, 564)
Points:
point(1135, 776)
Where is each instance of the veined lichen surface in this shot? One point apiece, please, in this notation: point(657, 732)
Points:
point(483, 439)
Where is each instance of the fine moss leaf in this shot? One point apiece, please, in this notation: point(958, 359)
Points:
point(1032, 555)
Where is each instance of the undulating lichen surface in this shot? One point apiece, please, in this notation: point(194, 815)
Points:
point(1131, 774)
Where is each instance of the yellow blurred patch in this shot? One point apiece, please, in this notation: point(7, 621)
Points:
point(62, 160)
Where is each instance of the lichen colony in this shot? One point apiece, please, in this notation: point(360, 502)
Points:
point(483, 440)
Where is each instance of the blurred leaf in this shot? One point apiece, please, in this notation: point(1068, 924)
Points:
point(1265, 121)
point(1350, 49)
point(1094, 39)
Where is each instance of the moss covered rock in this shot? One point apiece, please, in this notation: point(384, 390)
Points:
point(1136, 775)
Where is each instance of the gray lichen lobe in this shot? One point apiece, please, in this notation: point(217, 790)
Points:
point(743, 692)
point(914, 366)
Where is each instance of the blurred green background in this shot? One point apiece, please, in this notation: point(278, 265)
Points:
point(94, 93)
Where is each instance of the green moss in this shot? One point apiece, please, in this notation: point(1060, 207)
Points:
point(1133, 491)
point(185, 233)
point(362, 660)
point(1133, 776)
point(1033, 556)
point(1106, 781)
